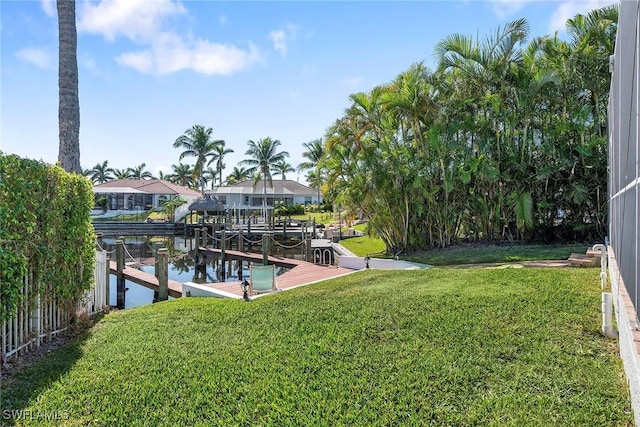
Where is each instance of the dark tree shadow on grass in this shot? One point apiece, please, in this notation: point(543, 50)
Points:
point(22, 384)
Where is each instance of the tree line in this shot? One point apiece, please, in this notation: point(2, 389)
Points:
point(264, 160)
point(505, 140)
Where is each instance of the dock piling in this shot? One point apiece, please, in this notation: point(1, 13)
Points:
point(120, 296)
point(265, 249)
point(223, 245)
point(162, 273)
point(197, 239)
point(307, 248)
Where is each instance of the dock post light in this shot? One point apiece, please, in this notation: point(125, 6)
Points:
point(244, 285)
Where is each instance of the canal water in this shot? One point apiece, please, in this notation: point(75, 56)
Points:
point(182, 268)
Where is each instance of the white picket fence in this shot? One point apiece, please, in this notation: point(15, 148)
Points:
point(30, 326)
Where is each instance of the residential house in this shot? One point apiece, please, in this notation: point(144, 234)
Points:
point(249, 194)
point(142, 194)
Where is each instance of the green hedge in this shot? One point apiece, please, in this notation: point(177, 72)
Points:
point(45, 229)
point(284, 210)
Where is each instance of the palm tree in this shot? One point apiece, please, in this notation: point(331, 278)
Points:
point(314, 154)
point(209, 176)
point(220, 151)
point(69, 106)
point(88, 173)
point(265, 155)
point(593, 37)
point(198, 142)
point(138, 172)
point(315, 181)
point(182, 175)
point(101, 172)
point(282, 167)
point(122, 173)
point(238, 174)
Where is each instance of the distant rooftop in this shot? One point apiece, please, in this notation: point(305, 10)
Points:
point(143, 186)
point(280, 186)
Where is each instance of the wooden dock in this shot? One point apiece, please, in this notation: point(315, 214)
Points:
point(302, 273)
point(299, 273)
point(251, 257)
point(147, 280)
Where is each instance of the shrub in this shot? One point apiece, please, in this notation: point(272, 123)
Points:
point(45, 229)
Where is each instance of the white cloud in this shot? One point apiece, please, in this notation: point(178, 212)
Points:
point(279, 40)
point(142, 61)
point(36, 56)
point(162, 49)
point(49, 7)
point(283, 37)
point(505, 8)
point(171, 54)
point(570, 8)
point(138, 20)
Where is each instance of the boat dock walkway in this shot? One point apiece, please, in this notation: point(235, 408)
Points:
point(299, 273)
point(252, 257)
point(145, 279)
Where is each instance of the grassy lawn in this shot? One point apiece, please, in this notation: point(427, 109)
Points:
point(468, 254)
point(361, 227)
point(320, 217)
point(364, 245)
point(434, 347)
point(134, 217)
point(473, 254)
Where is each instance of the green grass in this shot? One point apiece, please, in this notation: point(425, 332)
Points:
point(135, 217)
point(320, 217)
point(490, 347)
point(474, 254)
point(361, 227)
point(468, 254)
point(364, 245)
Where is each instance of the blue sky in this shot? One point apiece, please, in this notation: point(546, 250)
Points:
point(150, 69)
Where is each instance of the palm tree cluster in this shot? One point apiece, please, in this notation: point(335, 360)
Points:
point(505, 140)
point(102, 173)
point(264, 161)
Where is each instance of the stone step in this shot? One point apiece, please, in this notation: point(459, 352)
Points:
point(593, 254)
point(582, 260)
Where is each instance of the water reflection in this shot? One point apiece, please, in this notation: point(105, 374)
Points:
point(184, 266)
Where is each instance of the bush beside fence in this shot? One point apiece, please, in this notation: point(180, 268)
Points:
point(32, 324)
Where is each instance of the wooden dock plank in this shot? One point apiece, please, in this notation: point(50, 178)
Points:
point(147, 280)
point(300, 273)
point(307, 272)
point(253, 257)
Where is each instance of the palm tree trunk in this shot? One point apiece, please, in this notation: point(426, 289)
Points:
point(69, 106)
point(264, 200)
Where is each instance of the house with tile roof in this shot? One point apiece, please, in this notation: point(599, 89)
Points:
point(141, 194)
point(249, 194)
